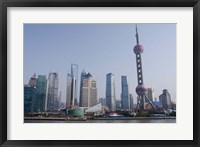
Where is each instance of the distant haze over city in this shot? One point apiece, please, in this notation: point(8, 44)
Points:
point(101, 49)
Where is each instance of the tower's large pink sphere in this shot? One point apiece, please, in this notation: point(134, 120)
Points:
point(141, 89)
point(138, 49)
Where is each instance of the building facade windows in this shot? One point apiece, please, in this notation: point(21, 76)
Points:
point(29, 98)
point(165, 99)
point(125, 99)
point(110, 92)
point(41, 93)
point(52, 98)
point(88, 91)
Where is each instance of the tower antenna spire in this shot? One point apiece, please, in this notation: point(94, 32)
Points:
point(137, 36)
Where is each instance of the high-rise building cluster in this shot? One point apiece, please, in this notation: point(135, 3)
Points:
point(88, 90)
point(42, 94)
point(72, 85)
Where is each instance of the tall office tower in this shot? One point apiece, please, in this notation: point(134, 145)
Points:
point(110, 92)
point(69, 99)
point(88, 91)
point(83, 75)
point(165, 99)
point(29, 98)
point(52, 92)
point(151, 94)
point(74, 74)
point(93, 93)
point(41, 93)
point(102, 101)
point(125, 99)
point(141, 89)
point(131, 101)
point(33, 80)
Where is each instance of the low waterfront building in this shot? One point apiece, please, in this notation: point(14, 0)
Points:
point(75, 112)
point(96, 108)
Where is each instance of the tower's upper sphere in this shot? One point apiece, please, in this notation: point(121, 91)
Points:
point(138, 49)
point(141, 89)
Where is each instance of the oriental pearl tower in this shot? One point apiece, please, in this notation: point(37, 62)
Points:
point(141, 89)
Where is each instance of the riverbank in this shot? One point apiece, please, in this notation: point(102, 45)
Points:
point(172, 121)
point(56, 118)
point(132, 118)
point(97, 118)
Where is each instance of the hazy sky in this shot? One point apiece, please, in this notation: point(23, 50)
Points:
point(101, 49)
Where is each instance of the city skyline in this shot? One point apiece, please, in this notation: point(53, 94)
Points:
point(99, 48)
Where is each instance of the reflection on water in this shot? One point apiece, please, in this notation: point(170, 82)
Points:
point(106, 121)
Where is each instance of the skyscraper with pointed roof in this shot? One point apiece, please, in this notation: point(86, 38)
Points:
point(165, 99)
point(33, 80)
point(88, 91)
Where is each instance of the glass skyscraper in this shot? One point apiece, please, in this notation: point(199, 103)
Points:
point(52, 100)
point(83, 75)
point(41, 93)
point(110, 92)
point(29, 98)
point(125, 99)
point(69, 100)
point(74, 74)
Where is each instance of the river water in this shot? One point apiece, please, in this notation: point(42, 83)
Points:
point(106, 121)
